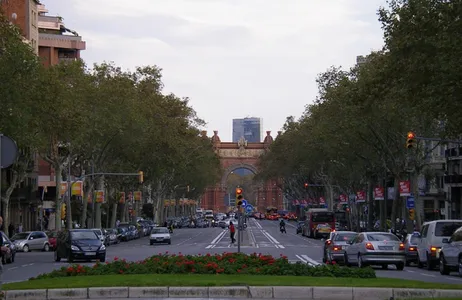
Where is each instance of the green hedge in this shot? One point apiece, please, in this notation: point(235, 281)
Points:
point(226, 263)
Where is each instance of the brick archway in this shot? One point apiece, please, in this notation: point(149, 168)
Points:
point(241, 155)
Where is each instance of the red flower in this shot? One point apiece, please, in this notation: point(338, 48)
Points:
point(116, 258)
point(121, 271)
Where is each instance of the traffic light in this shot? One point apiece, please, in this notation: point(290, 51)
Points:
point(141, 176)
point(410, 141)
point(411, 214)
point(305, 185)
point(239, 196)
point(63, 211)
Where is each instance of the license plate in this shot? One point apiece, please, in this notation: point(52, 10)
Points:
point(385, 247)
point(160, 239)
point(90, 253)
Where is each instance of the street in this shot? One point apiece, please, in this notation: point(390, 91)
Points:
point(261, 237)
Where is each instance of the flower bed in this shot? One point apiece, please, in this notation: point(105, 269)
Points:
point(226, 263)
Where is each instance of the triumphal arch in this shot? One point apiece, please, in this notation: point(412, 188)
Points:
point(241, 157)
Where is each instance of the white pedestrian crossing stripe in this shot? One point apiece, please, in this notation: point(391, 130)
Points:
point(308, 260)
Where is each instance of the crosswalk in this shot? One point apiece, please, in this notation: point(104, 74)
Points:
point(307, 260)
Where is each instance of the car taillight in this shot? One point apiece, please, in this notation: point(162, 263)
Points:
point(401, 246)
point(337, 248)
point(328, 242)
point(412, 249)
point(369, 246)
point(433, 249)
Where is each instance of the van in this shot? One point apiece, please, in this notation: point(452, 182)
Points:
point(431, 240)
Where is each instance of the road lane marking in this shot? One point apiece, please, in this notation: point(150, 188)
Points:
point(451, 278)
point(429, 275)
point(253, 239)
point(12, 268)
point(258, 224)
point(217, 239)
point(181, 243)
point(272, 239)
point(27, 265)
point(310, 260)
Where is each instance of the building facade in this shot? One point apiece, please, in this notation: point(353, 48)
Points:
point(24, 13)
point(57, 43)
point(251, 129)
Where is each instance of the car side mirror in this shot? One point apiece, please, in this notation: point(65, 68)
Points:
point(446, 241)
point(31, 238)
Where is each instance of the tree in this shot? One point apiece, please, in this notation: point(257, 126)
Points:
point(19, 70)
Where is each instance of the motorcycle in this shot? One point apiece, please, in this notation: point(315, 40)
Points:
point(283, 229)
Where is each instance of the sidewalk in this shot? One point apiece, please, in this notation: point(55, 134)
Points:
point(235, 292)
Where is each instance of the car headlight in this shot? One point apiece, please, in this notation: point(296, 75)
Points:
point(102, 248)
point(74, 248)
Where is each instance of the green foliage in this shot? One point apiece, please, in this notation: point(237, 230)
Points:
point(355, 131)
point(226, 263)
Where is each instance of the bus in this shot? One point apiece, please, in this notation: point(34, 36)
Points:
point(315, 217)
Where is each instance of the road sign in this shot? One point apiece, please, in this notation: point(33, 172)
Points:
point(410, 202)
point(8, 151)
point(244, 203)
point(248, 208)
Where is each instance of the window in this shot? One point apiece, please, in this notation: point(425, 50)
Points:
point(457, 236)
point(159, 230)
point(20, 236)
point(378, 237)
point(425, 231)
point(322, 217)
point(344, 237)
point(414, 240)
point(83, 235)
point(446, 228)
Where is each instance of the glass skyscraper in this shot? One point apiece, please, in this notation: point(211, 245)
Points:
point(249, 128)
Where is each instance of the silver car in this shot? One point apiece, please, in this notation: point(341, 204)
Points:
point(376, 248)
point(160, 235)
point(450, 255)
point(335, 246)
point(31, 240)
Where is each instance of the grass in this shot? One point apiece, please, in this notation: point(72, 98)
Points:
point(217, 280)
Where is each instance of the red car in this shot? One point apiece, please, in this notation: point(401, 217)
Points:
point(52, 239)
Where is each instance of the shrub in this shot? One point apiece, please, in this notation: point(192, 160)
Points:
point(226, 263)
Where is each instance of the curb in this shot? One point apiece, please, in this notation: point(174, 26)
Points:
point(261, 292)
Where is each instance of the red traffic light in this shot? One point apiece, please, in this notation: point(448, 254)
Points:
point(306, 184)
point(410, 135)
point(238, 191)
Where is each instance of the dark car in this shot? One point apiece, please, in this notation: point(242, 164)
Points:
point(410, 244)
point(83, 244)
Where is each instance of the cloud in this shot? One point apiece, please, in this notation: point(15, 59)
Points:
point(233, 58)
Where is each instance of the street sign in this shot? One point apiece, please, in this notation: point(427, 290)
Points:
point(248, 208)
point(8, 151)
point(410, 202)
point(244, 203)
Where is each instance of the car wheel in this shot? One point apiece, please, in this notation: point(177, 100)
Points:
point(169, 242)
point(444, 270)
point(400, 266)
point(70, 259)
point(57, 258)
point(361, 264)
point(25, 248)
point(151, 243)
point(46, 248)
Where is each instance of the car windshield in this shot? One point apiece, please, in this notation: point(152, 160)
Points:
point(378, 237)
point(84, 235)
point(414, 240)
point(323, 217)
point(446, 228)
point(344, 237)
point(97, 231)
point(159, 230)
point(20, 236)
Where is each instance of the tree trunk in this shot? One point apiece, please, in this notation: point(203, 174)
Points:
point(417, 203)
point(58, 179)
point(114, 215)
point(370, 207)
point(6, 200)
point(396, 203)
point(159, 204)
point(88, 189)
point(98, 205)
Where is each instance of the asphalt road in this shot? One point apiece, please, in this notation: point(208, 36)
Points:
point(263, 237)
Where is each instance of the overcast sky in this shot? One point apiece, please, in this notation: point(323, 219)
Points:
point(233, 58)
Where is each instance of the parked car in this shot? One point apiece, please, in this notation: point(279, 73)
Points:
point(82, 244)
point(31, 240)
point(375, 248)
point(160, 235)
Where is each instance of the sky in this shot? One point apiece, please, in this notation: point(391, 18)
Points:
point(232, 58)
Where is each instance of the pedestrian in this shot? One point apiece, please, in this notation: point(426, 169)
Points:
point(3, 250)
point(232, 232)
point(11, 230)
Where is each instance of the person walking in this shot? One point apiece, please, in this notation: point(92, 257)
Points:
point(232, 232)
point(11, 230)
point(3, 251)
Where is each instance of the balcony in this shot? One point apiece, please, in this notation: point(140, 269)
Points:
point(49, 22)
point(41, 9)
point(61, 41)
point(453, 179)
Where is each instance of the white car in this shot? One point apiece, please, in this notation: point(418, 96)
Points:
point(160, 235)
